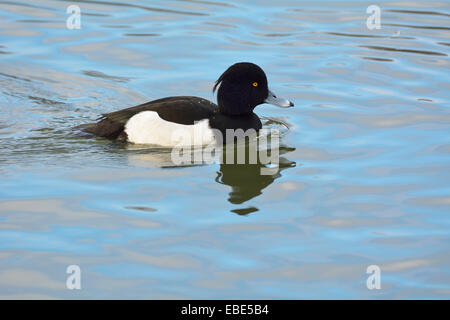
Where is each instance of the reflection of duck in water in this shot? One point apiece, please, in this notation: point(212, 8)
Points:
point(247, 182)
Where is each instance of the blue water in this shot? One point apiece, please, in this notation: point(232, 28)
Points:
point(365, 157)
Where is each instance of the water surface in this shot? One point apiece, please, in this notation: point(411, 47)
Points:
point(365, 158)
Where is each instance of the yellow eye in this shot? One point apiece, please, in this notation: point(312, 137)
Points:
point(255, 84)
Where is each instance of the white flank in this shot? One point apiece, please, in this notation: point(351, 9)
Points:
point(148, 128)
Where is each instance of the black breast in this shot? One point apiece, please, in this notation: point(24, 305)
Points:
point(223, 122)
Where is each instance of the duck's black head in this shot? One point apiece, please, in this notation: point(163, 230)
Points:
point(242, 87)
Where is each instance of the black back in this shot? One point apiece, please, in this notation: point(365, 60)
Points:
point(183, 110)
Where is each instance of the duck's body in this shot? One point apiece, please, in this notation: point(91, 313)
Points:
point(165, 121)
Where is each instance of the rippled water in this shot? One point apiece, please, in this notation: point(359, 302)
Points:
point(365, 165)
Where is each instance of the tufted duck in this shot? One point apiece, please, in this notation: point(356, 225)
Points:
point(241, 88)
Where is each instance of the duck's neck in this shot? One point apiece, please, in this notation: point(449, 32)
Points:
point(233, 102)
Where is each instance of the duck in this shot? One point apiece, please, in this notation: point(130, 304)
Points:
point(167, 121)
